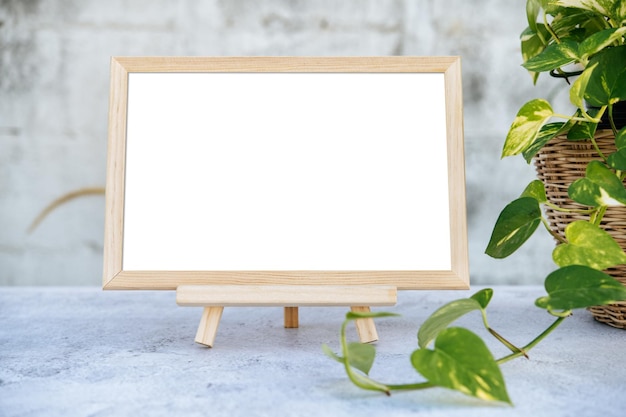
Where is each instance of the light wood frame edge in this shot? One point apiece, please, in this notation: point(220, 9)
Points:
point(287, 64)
point(115, 278)
point(116, 162)
point(456, 172)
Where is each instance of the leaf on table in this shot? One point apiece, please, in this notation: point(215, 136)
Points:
point(461, 361)
point(361, 356)
point(443, 317)
point(483, 297)
point(450, 312)
point(329, 352)
point(357, 356)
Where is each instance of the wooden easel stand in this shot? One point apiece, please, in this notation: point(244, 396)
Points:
point(215, 297)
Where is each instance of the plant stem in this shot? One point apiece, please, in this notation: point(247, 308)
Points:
point(361, 381)
point(564, 210)
point(497, 335)
point(506, 343)
point(554, 234)
point(549, 28)
point(596, 217)
point(409, 387)
point(533, 343)
point(611, 121)
point(597, 148)
point(576, 119)
point(585, 116)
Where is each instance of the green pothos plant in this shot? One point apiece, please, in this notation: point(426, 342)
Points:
point(590, 37)
point(584, 39)
point(458, 359)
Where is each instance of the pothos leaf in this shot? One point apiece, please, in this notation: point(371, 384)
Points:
point(461, 361)
point(450, 312)
point(570, 22)
point(357, 356)
point(535, 190)
point(617, 160)
point(599, 6)
point(329, 352)
point(607, 81)
point(516, 223)
point(583, 130)
point(588, 245)
point(554, 56)
point(361, 356)
point(614, 9)
point(545, 135)
point(619, 12)
point(532, 11)
point(620, 138)
point(527, 124)
point(442, 318)
point(532, 44)
point(579, 87)
point(599, 41)
point(483, 297)
point(599, 187)
point(578, 286)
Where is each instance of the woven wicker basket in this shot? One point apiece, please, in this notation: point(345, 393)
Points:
point(560, 163)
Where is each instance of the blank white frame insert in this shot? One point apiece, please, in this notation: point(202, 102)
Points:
point(285, 171)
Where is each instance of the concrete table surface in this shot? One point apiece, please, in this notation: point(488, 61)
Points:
point(84, 352)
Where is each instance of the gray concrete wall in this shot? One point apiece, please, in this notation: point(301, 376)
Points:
point(54, 63)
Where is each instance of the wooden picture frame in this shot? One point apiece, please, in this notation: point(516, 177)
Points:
point(131, 197)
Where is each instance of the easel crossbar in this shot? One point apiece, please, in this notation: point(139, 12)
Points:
point(285, 295)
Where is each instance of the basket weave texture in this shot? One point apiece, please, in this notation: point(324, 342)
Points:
point(562, 162)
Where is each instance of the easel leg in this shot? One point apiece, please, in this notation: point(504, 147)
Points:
point(366, 328)
point(208, 325)
point(291, 318)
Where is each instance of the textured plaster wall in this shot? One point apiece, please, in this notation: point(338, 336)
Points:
point(54, 63)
